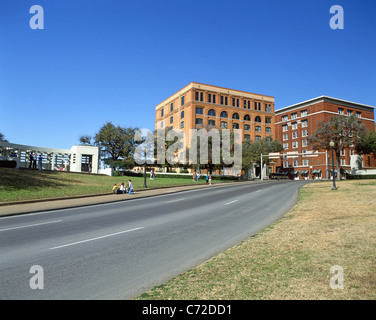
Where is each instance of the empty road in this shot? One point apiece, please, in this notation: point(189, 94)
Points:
point(119, 250)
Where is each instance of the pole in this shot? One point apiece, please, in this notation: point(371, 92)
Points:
point(261, 168)
point(145, 186)
point(334, 176)
point(326, 164)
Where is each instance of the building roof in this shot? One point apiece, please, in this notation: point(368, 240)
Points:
point(209, 87)
point(342, 102)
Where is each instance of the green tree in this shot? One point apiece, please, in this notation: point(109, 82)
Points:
point(2, 138)
point(367, 143)
point(252, 151)
point(85, 139)
point(342, 130)
point(116, 142)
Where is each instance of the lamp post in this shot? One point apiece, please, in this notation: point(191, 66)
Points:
point(144, 153)
point(331, 144)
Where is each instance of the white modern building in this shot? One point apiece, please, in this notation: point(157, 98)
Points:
point(76, 159)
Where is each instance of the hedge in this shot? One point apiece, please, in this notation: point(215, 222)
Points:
point(177, 176)
point(361, 176)
point(8, 164)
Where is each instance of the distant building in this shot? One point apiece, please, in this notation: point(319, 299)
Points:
point(296, 122)
point(77, 159)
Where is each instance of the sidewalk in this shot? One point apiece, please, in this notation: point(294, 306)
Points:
point(46, 205)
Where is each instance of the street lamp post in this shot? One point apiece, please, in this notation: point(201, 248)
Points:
point(331, 144)
point(145, 186)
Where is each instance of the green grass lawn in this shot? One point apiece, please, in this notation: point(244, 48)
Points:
point(20, 185)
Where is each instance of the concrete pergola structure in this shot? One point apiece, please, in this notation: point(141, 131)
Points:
point(76, 159)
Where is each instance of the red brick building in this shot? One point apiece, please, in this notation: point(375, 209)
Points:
point(295, 123)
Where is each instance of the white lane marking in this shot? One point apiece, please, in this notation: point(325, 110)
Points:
point(175, 200)
point(96, 238)
point(258, 191)
point(30, 225)
point(230, 202)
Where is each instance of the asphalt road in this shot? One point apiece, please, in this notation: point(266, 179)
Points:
point(119, 250)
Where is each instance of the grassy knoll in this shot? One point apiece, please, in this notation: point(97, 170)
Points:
point(20, 185)
point(292, 258)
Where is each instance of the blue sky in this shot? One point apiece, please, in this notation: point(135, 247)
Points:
point(112, 60)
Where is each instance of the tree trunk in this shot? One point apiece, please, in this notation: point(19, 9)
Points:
point(338, 154)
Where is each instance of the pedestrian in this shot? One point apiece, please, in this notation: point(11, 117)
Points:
point(31, 158)
point(34, 161)
point(198, 176)
point(89, 167)
point(151, 174)
point(40, 160)
point(194, 176)
point(207, 177)
point(210, 178)
point(130, 187)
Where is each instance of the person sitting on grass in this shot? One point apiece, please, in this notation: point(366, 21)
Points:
point(130, 187)
point(115, 188)
point(122, 188)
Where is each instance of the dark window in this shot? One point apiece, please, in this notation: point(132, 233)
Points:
point(223, 124)
point(182, 100)
point(171, 119)
point(211, 113)
point(199, 110)
point(257, 119)
point(209, 98)
point(182, 114)
point(214, 98)
point(235, 125)
point(171, 107)
point(199, 121)
point(222, 100)
point(235, 116)
point(197, 96)
point(226, 101)
point(201, 96)
point(224, 114)
point(247, 117)
point(211, 123)
point(162, 112)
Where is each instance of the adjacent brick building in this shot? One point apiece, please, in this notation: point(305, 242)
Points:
point(296, 122)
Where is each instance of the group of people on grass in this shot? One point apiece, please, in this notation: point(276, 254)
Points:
point(33, 161)
point(122, 188)
point(196, 177)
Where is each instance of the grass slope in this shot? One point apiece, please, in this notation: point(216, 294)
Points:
point(20, 185)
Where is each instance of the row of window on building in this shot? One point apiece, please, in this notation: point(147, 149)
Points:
point(212, 98)
point(294, 125)
point(247, 104)
point(304, 113)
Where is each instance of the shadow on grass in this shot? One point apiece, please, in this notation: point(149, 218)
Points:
point(28, 179)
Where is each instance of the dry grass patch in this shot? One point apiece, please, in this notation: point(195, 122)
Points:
point(292, 258)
